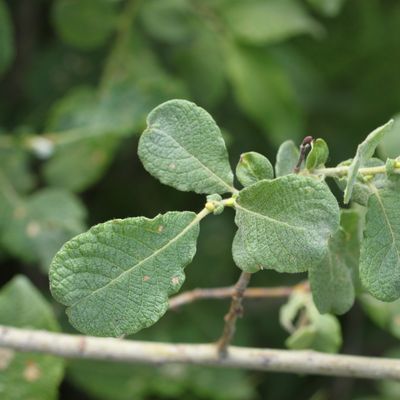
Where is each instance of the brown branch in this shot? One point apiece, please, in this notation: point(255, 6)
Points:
point(129, 351)
point(227, 292)
point(235, 312)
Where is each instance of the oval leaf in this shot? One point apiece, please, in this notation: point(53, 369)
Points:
point(253, 167)
point(284, 224)
point(318, 155)
point(183, 147)
point(116, 278)
point(286, 158)
point(380, 249)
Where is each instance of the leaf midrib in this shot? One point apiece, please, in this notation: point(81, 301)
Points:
point(158, 251)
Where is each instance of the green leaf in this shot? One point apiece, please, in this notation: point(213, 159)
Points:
point(27, 376)
point(265, 92)
point(85, 24)
point(364, 152)
point(183, 147)
point(41, 224)
point(284, 224)
point(253, 167)
point(313, 330)
point(389, 147)
point(332, 281)
point(362, 188)
point(318, 155)
point(380, 249)
point(169, 21)
point(329, 8)
point(7, 52)
point(286, 158)
point(116, 278)
point(260, 22)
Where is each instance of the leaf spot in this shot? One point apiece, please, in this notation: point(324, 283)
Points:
point(160, 228)
point(146, 278)
point(6, 356)
point(32, 371)
point(175, 280)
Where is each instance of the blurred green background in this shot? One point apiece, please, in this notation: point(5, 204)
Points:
point(77, 79)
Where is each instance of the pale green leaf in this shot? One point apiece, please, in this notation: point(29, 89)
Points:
point(27, 376)
point(286, 158)
point(318, 155)
point(364, 152)
point(380, 249)
point(253, 167)
point(6, 38)
point(265, 92)
point(309, 329)
point(260, 22)
point(85, 24)
point(284, 224)
point(329, 8)
point(183, 147)
point(116, 278)
point(332, 281)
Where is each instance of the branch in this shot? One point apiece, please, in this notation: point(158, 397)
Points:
point(117, 350)
point(235, 311)
point(342, 171)
point(227, 292)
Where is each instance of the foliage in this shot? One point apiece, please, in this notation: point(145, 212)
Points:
point(79, 78)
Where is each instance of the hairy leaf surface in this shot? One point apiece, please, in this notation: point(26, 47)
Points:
point(332, 281)
point(253, 167)
point(286, 158)
point(380, 249)
point(116, 278)
point(183, 147)
point(284, 224)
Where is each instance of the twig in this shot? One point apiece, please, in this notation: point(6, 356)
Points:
point(300, 362)
point(235, 311)
point(227, 292)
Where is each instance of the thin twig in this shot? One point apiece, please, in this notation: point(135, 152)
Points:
point(117, 350)
point(235, 312)
point(227, 292)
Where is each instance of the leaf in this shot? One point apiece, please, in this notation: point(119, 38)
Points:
point(169, 21)
point(253, 167)
point(41, 224)
point(284, 224)
point(287, 158)
point(380, 249)
point(313, 330)
point(261, 22)
point(318, 155)
point(362, 188)
point(84, 24)
point(332, 281)
point(329, 8)
point(265, 92)
point(389, 147)
point(7, 51)
point(183, 147)
point(116, 278)
point(27, 376)
point(364, 152)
